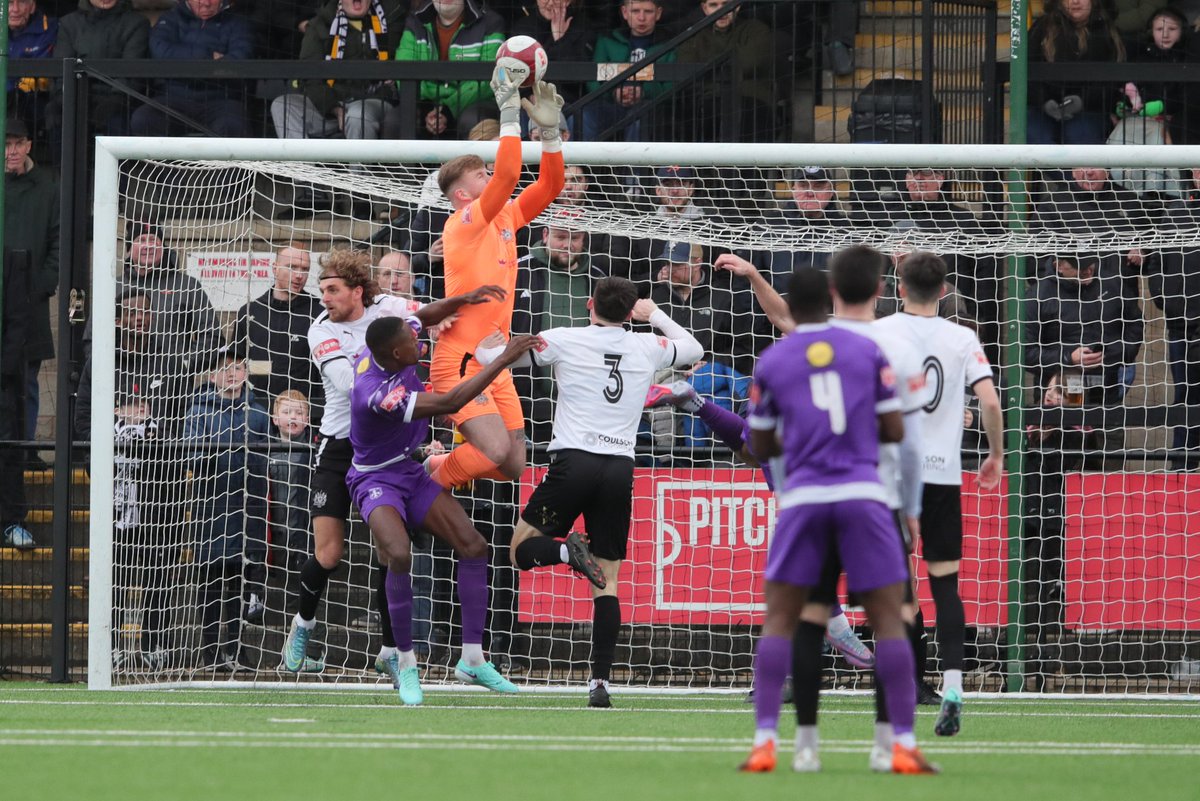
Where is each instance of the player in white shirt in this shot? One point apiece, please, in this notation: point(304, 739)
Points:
point(603, 372)
point(955, 362)
point(352, 300)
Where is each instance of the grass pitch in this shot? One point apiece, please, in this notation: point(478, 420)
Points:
point(330, 745)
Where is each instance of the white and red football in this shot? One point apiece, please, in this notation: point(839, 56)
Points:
point(523, 58)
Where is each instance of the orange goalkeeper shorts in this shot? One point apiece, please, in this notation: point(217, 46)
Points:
point(499, 398)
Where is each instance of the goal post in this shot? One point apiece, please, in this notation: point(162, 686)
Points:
point(1108, 482)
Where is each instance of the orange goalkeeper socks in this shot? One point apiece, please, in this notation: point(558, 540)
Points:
point(463, 465)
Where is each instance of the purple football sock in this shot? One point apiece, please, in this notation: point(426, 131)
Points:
point(771, 665)
point(728, 426)
point(400, 607)
point(894, 667)
point(473, 598)
point(836, 610)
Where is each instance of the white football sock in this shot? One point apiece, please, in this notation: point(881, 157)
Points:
point(883, 735)
point(806, 737)
point(907, 740)
point(562, 554)
point(386, 652)
point(472, 653)
point(305, 624)
point(765, 736)
point(837, 625)
point(408, 659)
point(952, 680)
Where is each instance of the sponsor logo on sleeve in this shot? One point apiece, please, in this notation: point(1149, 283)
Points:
point(326, 348)
point(887, 376)
point(979, 357)
point(916, 383)
point(375, 493)
point(393, 399)
point(363, 366)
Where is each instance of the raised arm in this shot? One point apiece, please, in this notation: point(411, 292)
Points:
point(433, 404)
point(545, 111)
point(507, 170)
point(772, 302)
point(688, 349)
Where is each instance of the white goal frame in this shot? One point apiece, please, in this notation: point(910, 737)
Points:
point(111, 150)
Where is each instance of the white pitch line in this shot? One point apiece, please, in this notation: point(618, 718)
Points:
point(261, 743)
point(291, 720)
point(855, 696)
point(389, 704)
point(453, 739)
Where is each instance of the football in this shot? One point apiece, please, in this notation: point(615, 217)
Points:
point(523, 58)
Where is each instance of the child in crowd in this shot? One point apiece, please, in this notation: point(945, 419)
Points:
point(290, 472)
point(230, 503)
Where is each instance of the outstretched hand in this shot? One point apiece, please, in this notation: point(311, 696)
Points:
point(546, 107)
point(735, 264)
point(486, 293)
point(519, 345)
point(506, 89)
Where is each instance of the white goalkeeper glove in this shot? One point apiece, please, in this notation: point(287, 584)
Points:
point(508, 98)
point(546, 112)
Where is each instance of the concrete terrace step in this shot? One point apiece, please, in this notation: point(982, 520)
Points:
point(35, 592)
point(13, 555)
point(38, 478)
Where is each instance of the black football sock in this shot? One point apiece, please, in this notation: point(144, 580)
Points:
point(806, 671)
point(920, 645)
point(313, 578)
point(538, 551)
point(606, 624)
point(951, 620)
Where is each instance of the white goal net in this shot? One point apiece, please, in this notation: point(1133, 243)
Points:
point(1079, 575)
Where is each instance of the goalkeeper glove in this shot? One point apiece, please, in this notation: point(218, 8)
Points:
point(546, 113)
point(508, 98)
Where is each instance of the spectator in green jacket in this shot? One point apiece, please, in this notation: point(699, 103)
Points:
point(452, 30)
point(640, 37)
point(343, 30)
point(105, 29)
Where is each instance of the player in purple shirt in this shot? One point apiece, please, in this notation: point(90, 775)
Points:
point(823, 399)
point(389, 420)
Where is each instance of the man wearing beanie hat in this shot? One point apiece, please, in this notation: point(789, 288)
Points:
point(31, 225)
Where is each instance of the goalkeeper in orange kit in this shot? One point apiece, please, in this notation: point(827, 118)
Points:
point(480, 248)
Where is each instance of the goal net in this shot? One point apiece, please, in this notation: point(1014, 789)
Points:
point(1076, 266)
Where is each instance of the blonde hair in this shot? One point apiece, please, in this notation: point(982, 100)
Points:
point(484, 131)
point(455, 169)
point(292, 396)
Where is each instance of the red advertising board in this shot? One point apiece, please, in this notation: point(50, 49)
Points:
point(699, 540)
point(1133, 551)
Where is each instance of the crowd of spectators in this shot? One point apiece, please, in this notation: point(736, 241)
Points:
point(607, 31)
